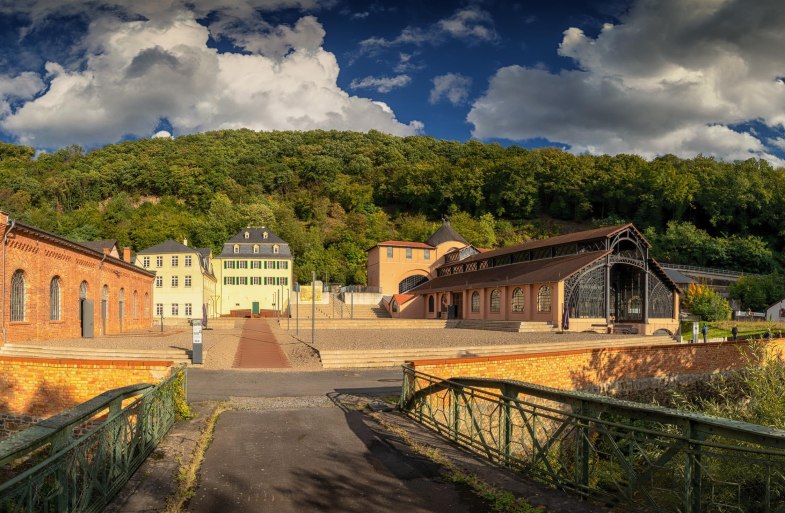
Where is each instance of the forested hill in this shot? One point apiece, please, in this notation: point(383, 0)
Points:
point(334, 194)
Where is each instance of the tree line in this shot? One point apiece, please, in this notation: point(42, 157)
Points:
point(332, 195)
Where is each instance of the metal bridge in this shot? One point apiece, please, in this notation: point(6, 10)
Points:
point(78, 460)
point(651, 458)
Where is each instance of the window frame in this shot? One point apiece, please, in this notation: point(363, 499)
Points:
point(495, 302)
point(475, 302)
point(517, 298)
point(55, 313)
point(544, 298)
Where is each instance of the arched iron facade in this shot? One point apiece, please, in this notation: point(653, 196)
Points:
point(622, 287)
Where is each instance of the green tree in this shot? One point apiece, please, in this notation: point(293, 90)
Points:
point(707, 303)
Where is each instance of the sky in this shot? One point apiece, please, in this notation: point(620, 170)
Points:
point(650, 77)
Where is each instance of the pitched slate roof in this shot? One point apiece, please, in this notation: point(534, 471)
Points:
point(256, 235)
point(100, 245)
point(169, 246)
point(445, 233)
point(546, 270)
point(256, 238)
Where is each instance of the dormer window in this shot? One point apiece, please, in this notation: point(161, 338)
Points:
point(247, 235)
point(275, 249)
point(236, 248)
point(256, 248)
point(264, 235)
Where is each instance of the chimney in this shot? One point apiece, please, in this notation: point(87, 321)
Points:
point(127, 254)
point(185, 242)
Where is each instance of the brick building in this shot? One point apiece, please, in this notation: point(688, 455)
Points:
point(56, 288)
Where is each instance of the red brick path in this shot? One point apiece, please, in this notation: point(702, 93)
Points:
point(258, 348)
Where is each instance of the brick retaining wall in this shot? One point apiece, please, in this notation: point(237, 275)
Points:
point(41, 387)
point(611, 368)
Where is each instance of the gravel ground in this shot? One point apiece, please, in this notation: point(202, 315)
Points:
point(418, 338)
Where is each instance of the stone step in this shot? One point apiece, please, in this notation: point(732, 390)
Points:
point(336, 359)
point(369, 324)
point(36, 351)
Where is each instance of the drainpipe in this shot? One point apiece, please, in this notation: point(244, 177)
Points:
point(5, 241)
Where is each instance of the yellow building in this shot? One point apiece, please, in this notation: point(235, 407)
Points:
point(254, 273)
point(185, 285)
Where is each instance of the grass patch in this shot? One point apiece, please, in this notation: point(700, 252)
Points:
point(500, 501)
point(186, 474)
point(723, 329)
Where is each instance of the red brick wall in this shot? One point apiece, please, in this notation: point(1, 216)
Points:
point(42, 387)
point(41, 259)
point(593, 368)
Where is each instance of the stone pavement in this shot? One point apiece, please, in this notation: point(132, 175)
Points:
point(258, 348)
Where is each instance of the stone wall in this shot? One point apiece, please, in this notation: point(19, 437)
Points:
point(40, 387)
point(611, 369)
point(10, 423)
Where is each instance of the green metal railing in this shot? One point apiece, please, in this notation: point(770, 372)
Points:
point(78, 460)
point(653, 458)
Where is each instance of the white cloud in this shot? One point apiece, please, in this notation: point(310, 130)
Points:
point(381, 84)
point(671, 77)
point(21, 87)
point(471, 24)
point(452, 86)
point(137, 72)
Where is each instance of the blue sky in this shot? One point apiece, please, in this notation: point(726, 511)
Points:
point(626, 76)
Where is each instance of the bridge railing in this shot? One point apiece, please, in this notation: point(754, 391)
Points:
point(78, 460)
point(652, 458)
point(707, 270)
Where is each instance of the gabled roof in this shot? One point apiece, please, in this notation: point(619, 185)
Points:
point(547, 270)
point(403, 298)
point(101, 245)
point(585, 235)
point(256, 236)
point(169, 246)
point(404, 244)
point(446, 233)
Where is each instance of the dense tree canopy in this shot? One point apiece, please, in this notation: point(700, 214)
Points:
point(333, 195)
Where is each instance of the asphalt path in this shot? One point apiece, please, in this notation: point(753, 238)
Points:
point(221, 385)
point(318, 460)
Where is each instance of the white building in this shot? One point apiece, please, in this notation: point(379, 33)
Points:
point(254, 272)
point(776, 312)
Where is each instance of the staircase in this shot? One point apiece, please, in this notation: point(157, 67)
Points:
point(510, 326)
point(339, 310)
point(367, 358)
point(177, 356)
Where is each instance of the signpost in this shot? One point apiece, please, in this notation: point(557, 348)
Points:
point(196, 351)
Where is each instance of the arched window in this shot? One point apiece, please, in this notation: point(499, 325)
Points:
point(83, 290)
point(264, 235)
point(256, 248)
point(475, 301)
point(121, 301)
point(54, 299)
point(133, 305)
point(275, 249)
point(247, 235)
point(18, 296)
point(409, 283)
point(236, 248)
point(517, 300)
point(544, 299)
point(495, 305)
point(431, 304)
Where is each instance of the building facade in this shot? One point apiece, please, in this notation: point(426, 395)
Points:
point(595, 280)
point(396, 267)
point(254, 273)
point(54, 288)
point(185, 285)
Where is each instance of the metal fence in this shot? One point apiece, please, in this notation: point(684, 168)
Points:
point(78, 460)
point(653, 458)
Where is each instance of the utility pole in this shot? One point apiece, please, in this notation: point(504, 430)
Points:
point(313, 306)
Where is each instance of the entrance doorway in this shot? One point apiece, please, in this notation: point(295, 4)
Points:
point(85, 312)
point(457, 301)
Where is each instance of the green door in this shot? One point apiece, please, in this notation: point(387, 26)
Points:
point(255, 307)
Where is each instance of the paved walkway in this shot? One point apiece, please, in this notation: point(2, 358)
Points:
point(318, 460)
point(258, 348)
